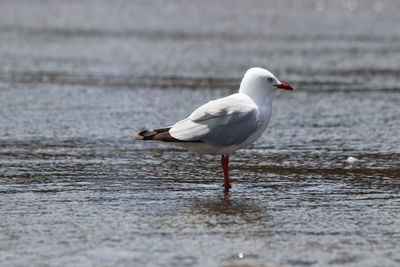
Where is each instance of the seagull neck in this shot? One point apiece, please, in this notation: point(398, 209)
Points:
point(261, 98)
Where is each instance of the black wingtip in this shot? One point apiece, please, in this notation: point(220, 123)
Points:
point(161, 134)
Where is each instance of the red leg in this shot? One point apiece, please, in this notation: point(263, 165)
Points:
point(225, 163)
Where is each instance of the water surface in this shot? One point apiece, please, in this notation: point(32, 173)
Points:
point(79, 79)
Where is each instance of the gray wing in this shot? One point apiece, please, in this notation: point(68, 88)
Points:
point(223, 122)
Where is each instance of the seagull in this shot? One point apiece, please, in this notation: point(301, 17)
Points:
point(227, 124)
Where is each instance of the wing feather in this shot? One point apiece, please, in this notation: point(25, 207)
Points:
point(225, 121)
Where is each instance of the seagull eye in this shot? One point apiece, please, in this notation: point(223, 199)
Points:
point(270, 80)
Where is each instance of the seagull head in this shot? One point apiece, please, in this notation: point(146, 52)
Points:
point(259, 82)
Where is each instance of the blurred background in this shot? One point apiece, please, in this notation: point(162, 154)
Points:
point(350, 43)
point(78, 79)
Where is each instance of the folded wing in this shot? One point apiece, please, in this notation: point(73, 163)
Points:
point(226, 121)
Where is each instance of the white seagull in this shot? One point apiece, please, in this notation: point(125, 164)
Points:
point(228, 124)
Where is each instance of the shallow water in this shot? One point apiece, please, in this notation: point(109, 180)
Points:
point(79, 79)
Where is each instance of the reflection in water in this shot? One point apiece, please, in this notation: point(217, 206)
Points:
point(226, 199)
point(224, 205)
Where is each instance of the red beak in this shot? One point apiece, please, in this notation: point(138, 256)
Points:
point(284, 86)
